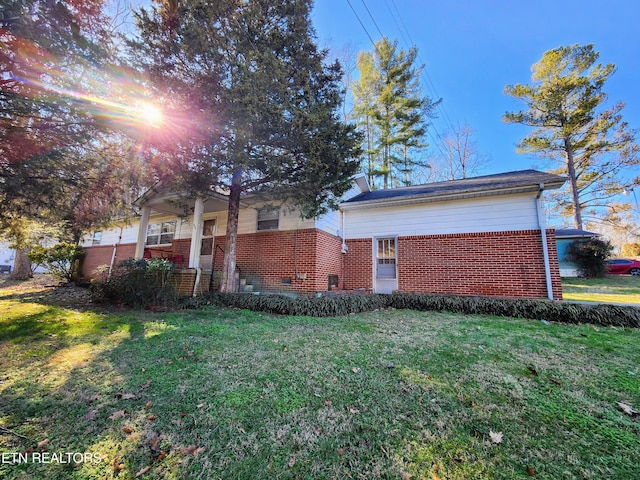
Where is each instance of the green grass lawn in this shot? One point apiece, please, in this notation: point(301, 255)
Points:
point(611, 289)
point(222, 393)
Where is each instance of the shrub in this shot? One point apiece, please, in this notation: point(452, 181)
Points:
point(590, 256)
point(138, 283)
point(343, 305)
point(61, 260)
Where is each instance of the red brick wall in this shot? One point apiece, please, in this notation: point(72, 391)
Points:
point(273, 255)
point(358, 264)
point(506, 264)
point(328, 260)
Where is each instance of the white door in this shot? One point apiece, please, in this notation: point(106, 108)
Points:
point(207, 244)
point(385, 264)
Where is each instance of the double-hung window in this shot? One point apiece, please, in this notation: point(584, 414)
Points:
point(161, 233)
point(268, 219)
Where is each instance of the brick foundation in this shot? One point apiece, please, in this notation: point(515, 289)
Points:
point(270, 260)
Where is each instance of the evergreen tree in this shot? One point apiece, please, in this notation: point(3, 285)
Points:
point(50, 124)
point(391, 112)
point(267, 105)
point(592, 145)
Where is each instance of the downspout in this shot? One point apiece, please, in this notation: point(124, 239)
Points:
point(545, 247)
point(197, 282)
point(113, 255)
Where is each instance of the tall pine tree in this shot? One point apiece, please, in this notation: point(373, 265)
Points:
point(267, 104)
point(589, 143)
point(391, 112)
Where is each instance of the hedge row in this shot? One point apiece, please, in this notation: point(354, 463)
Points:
point(330, 306)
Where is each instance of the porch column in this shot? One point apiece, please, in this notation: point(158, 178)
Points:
point(196, 234)
point(142, 232)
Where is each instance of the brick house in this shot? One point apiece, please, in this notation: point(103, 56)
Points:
point(478, 236)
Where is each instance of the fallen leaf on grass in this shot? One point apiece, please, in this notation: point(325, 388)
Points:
point(152, 417)
point(292, 461)
point(143, 471)
point(162, 456)
point(340, 451)
point(188, 450)
point(91, 415)
point(191, 450)
point(496, 437)
point(148, 404)
point(553, 380)
point(117, 464)
point(406, 476)
point(127, 430)
point(125, 396)
point(530, 471)
point(177, 423)
point(533, 371)
point(353, 410)
point(43, 443)
point(628, 409)
point(117, 415)
point(155, 444)
point(355, 370)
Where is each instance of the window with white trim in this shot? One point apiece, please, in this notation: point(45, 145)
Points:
point(268, 219)
point(97, 238)
point(161, 233)
point(386, 258)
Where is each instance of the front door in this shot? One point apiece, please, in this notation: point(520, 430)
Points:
point(385, 265)
point(207, 246)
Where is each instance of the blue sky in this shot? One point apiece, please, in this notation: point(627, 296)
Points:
point(472, 49)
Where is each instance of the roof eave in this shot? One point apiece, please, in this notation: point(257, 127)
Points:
point(417, 199)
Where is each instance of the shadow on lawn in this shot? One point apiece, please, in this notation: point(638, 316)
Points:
point(68, 380)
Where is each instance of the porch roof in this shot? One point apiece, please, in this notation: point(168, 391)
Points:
point(163, 200)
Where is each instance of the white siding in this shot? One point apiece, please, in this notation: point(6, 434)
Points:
point(330, 222)
point(485, 214)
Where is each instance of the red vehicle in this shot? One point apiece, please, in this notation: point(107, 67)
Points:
point(623, 266)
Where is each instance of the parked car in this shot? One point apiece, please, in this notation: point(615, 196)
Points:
point(5, 268)
point(623, 266)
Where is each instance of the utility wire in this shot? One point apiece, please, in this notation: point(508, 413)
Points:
point(372, 19)
point(433, 89)
point(362, 24)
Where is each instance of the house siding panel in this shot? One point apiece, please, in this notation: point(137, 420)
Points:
point(494, 214)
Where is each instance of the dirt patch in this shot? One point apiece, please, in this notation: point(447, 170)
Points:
point(45, 289)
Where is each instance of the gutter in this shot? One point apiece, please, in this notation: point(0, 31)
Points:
point(545, 247)
point(442, 197)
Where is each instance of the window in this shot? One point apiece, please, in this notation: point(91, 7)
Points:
point(97, 238)
point(161, 233)
point(268, 218)
point(386, 258)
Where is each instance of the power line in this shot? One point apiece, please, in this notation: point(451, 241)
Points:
point(362, 24)
point(372, 19)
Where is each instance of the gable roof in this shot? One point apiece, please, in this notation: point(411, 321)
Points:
point(520, 181)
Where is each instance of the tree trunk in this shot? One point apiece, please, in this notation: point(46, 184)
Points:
point(21, 266)
point(573, 183)
point(228, 283)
